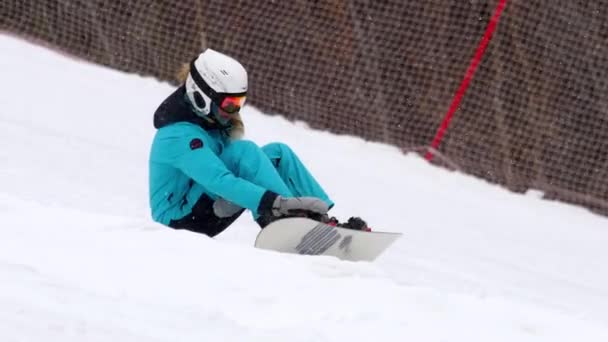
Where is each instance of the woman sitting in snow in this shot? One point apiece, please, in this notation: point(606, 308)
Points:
point(203, 175)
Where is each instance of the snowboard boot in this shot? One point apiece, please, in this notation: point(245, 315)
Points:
point(355, 223)
point(265, 220)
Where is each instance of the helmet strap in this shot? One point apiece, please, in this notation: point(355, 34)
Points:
point(202, 85)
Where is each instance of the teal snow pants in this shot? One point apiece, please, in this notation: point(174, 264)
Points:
point(274, 167)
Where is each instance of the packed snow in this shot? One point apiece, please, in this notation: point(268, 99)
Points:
point(81, 259)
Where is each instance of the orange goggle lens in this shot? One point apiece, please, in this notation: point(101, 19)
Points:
point(232, 104)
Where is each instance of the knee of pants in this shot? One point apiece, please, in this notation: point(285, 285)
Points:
point(241, 153)
point(242, 146)
point(276, 150)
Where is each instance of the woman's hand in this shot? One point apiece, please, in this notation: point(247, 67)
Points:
point(285, 206)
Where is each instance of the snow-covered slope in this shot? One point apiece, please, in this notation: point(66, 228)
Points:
point(80, 259)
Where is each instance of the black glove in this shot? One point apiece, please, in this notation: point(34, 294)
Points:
point(277, 206)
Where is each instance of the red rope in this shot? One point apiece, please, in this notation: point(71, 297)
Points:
point(468, 76)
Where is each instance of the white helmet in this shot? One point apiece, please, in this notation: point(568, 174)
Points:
point(216, 85)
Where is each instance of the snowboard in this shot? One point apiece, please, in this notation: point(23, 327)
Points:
point(308, 237)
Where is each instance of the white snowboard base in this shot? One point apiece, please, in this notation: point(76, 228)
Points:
point(308, 237)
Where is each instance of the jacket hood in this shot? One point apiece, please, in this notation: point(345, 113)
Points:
point(177, 109)
point(173, 109)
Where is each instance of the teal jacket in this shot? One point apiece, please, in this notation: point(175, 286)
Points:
point(184, 164)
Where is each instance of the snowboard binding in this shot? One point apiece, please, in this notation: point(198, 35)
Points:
point(354, 223)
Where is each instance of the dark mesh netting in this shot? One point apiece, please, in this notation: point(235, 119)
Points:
point(534, 114)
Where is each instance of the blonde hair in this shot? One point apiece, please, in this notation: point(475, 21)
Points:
point(237, 129)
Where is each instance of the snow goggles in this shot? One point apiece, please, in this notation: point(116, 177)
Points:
point(230, 103)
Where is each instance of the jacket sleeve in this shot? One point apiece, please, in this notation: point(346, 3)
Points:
point(206, 168)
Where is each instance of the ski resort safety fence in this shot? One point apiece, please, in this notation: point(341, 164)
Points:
point(512, 91)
